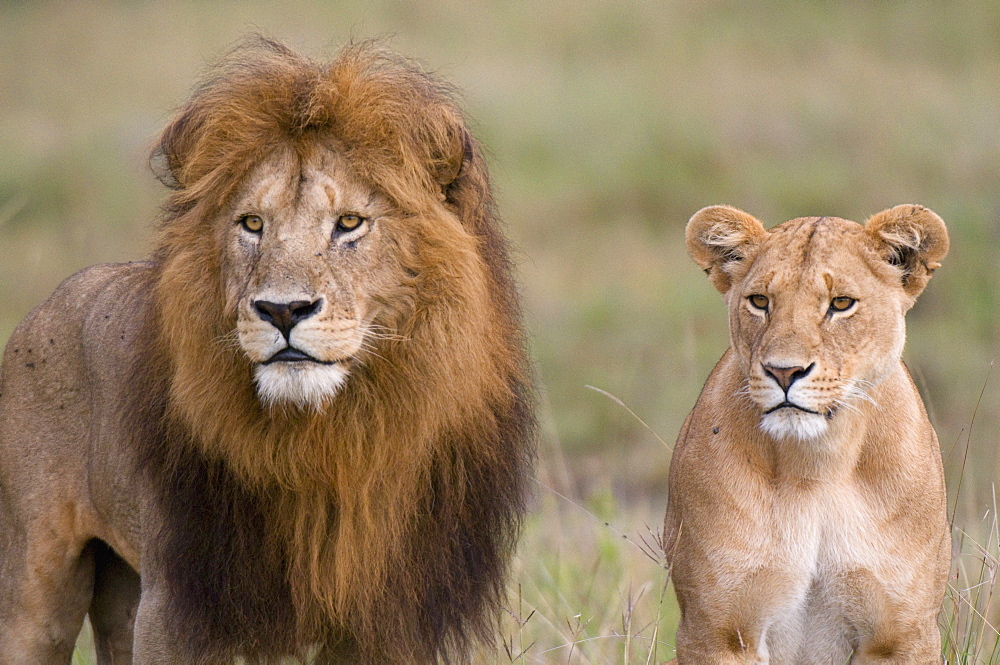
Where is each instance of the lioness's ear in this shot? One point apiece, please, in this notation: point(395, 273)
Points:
point(912, 238)
point(719, 238)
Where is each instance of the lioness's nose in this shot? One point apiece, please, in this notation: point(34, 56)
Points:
point(285, 315)
point(786, 376)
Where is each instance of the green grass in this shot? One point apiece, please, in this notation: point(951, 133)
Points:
point(970, 617)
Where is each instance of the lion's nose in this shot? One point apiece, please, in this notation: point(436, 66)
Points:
point(786, 376)
point(285, 315)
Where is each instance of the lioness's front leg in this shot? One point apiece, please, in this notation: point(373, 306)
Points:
point(896, 644)
point(718, 632)
point(723, 647)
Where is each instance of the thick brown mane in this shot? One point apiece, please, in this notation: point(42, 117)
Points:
point(385, 522)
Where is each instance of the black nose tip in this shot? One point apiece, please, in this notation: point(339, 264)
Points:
point(786, 376)
point(285, 315)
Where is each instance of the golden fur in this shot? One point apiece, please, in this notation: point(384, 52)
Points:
point(372, 523)
point(806, 515)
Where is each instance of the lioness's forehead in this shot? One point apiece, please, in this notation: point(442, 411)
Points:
point(811, 245)
point(807, 234)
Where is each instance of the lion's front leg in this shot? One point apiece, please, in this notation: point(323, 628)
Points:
point(45, 585)
point(156, 636)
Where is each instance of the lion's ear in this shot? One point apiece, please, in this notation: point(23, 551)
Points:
point(721, 238)
point(170, 153)
point(913, 239)
point(464, 179)
point(447, 166)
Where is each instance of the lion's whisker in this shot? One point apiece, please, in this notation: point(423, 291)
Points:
point(855, 392)
point(370, 350)
point(230, 339)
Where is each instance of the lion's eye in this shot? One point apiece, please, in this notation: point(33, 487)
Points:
point(349, 222)
point(842, 304)
point(252, 223)
point(758, 301)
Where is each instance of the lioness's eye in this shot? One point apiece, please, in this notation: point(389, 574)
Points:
point(252, 223)
point(759, 301)
point(842, 303)
point(349, 222)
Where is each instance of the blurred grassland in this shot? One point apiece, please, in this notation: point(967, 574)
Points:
point(609, 124)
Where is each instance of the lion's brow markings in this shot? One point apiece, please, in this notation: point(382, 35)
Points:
point(269, 192)
point(301, 184)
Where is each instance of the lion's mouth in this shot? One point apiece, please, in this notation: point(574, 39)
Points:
point(290, 354)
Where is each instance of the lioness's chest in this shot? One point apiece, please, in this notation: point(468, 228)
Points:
point(820, 529)
point(823, 535)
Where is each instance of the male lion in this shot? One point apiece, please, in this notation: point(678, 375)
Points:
point(806, 516)
point(304, 428)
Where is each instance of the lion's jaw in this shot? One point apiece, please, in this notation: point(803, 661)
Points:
point(302, 313)
point(304, 384)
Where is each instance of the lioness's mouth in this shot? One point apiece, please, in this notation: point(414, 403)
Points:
point(791, 405)
point(290, 354)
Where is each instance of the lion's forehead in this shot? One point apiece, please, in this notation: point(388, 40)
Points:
point(319, 179)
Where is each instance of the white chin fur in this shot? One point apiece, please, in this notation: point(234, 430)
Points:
point(303, 384)
point(794, 424)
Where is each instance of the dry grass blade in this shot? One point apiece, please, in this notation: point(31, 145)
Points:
point(641, 421)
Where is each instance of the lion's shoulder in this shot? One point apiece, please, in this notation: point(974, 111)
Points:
point(79, 344)
point(83, 304)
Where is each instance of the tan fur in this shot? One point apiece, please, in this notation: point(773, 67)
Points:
point(814, 534)
point(378, 509)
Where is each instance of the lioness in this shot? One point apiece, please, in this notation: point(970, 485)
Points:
point(806, 516)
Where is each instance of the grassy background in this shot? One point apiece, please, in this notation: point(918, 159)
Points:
point(609, 125)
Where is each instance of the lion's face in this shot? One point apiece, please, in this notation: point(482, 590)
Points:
point(310, 253)
point(816, 305)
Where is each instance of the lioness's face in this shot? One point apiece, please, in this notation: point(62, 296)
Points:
point(312, 251)
point(813, 324)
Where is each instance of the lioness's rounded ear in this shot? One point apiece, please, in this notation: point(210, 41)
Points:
point(912, 238)
point(721, 237)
